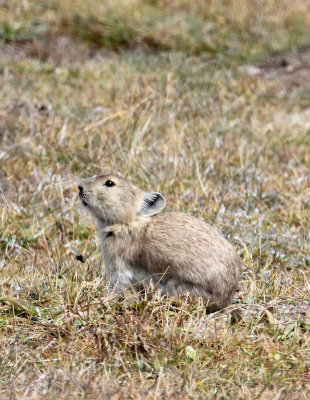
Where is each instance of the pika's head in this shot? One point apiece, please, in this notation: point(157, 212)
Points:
point(114, 200)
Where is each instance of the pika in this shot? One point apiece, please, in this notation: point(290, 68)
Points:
point(174, 252)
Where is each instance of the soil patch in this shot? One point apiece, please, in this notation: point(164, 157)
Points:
point(57, 49)
point(291, 70)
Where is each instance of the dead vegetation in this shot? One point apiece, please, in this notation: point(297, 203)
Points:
point(198, 106)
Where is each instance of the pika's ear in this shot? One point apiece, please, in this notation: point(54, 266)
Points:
point(152, 203)
point(119, 175)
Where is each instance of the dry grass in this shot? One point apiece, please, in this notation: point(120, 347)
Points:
point(173, 110)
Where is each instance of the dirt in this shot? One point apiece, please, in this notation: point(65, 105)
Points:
point(289, 71)
point(58, 49)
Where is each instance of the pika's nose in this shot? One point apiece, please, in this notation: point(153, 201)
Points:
point(80, 188)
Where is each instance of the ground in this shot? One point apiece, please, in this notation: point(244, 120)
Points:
point(206, 102)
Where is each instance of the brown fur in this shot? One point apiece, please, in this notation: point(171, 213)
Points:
point(174, 252)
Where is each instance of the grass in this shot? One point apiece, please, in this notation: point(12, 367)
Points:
point(222, 29)
point(165, 93)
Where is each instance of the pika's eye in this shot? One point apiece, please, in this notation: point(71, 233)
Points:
point(109, 183)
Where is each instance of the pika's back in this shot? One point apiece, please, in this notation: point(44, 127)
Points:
point(187, 231)
point(189, 246)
